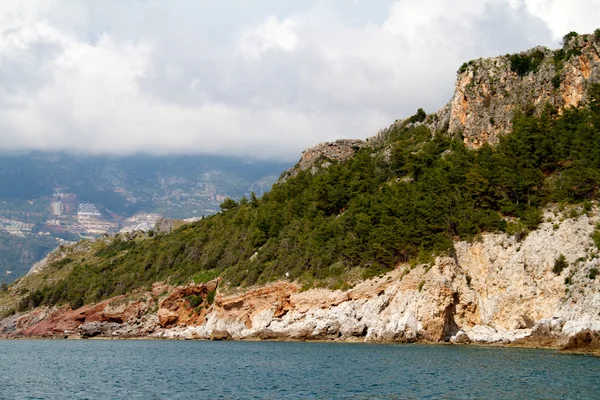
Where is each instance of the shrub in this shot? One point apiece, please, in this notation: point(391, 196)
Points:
point(556, 81)
point(519, 64)
point(596, 237)
point(463, 68)
point(31, 301)
point(569, 36)
point(228, 204)
point(523, 64)
point(210, 297)
point(575, 51)
point(559, 55)
point(419, 116)
point(560, 264)
point(205, 276)
point(593, 273)
point(568, 280)
point(195, 301)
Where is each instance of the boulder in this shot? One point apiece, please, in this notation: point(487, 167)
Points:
point(586, 341)
point(220, 335)
point(461, 337)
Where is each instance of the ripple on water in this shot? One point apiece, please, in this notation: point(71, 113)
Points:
point(232, 370)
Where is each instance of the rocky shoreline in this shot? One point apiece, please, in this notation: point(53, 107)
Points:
point(577, 345)
point(499, 290)
point(496, 290)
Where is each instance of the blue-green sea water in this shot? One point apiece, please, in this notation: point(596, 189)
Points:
point(97, 369)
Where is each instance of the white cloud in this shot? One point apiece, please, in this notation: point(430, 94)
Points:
point(563, 16)
point(270, 35)
point(182, 77)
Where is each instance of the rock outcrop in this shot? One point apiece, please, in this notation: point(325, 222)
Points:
point(586, 341)
point(488, 91)
point(340, 150)
point(323, 154)
point(186, 305)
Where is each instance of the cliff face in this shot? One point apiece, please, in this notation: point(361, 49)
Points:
point(498, 289)
point(488, 91)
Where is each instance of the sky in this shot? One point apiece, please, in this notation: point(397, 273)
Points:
point(262, 78)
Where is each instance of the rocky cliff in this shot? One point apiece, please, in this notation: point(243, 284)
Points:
point(497, 289)
point(489, 91)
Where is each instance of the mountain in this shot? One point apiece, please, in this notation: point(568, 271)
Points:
point(44, 196)
point(478, 223)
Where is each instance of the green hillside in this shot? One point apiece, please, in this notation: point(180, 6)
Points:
point(178, 186)
point(405, 199)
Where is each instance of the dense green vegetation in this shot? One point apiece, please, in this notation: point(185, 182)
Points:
point(523, 64)
point(404, 201)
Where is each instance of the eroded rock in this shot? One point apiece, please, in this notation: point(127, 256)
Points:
point(488, 92)
point(220, 335)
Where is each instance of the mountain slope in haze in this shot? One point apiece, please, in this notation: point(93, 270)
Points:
point(428, 230)
point(42, 192)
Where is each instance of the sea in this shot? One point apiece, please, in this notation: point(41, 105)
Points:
point(129, 369)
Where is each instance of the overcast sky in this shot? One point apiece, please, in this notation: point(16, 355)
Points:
point(259, 78)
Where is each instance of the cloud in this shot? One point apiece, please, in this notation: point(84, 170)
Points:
point(266, 80)
point(270, 35)
point(563, 16)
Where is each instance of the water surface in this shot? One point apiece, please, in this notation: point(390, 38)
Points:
point(97, 369)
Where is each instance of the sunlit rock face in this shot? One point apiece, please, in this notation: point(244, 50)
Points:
point(488, 91)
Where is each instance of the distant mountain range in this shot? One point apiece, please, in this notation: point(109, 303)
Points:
point(44, 197)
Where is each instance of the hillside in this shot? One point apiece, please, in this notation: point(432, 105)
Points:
point(476, 223)
point(41, 194)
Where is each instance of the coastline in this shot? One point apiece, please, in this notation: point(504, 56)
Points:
point(546, 343)
point(497, 291)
